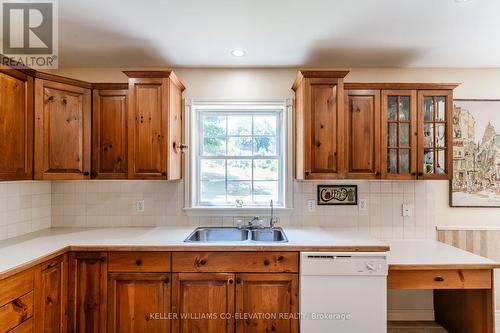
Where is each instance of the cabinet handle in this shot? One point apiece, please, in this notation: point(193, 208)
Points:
point(86, 173)
point(230, 281)
point(439, 279)
point(138, 262)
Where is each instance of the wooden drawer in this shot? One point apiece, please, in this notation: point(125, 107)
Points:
point(25, 327)
point(16, 312)
point(235, 262)
point(439, 279)
point(16, 286)
point(154, 262)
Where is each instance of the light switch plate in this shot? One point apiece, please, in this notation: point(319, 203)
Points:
point(363, 205)
point(311, 206)
point(139, 205)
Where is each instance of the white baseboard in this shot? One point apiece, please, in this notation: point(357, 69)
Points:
point(413, 315)
point(497, 321)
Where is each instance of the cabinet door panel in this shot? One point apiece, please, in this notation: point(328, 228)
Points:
point(138, 302)
point(196, 294)
point(16, 125)
point(272, 294)
point(363, 133)
point(148, 127)
point(324, 127)
point(62, 131)
point(435, 129)
point(51, 296)
point(399, 134)
point(110, 134)
point(87, 292)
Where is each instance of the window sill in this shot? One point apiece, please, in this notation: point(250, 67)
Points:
point(233, 211)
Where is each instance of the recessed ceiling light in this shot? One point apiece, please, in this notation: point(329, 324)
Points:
point(238, 52)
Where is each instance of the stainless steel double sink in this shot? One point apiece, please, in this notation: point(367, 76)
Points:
point(205, 234)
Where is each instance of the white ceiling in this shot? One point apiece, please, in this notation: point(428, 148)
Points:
point(279, 33)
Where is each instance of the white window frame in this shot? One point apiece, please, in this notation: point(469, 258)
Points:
point(191, 166)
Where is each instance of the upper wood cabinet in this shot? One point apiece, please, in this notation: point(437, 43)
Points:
point(16, 124)
point(87, 292)
point(62, 128)
point(109, 131)
point(435, 151)
point(399, 134)
point(319, 124)
point(155, 125)
point(399, 131)
point(362, 139)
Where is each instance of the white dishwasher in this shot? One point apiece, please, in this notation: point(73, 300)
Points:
point(344, 292)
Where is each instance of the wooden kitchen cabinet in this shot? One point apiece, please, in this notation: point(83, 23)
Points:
point(87, 292)
point(197, 294)
point(319, 124)
point(51, 283)
point(16, 124)
point(399, 134)
point(362, 140)
point(272, 294)
point(16, 302)
point(62, 128)
point(435, 151)
point(155, 125)
point(110, 131)
point(138, 302)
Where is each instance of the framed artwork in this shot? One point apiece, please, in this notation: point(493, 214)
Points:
point(337, 194)
point(476, 154)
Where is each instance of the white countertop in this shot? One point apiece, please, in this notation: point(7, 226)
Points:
point(431, 253)
point(22, 250)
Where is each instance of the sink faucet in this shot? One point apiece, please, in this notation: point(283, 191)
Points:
point(272, 220)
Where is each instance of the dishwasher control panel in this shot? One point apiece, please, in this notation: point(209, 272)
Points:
point(343, 263)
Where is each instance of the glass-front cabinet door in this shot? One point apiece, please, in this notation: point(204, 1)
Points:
point(399, 139)
point(434, 127)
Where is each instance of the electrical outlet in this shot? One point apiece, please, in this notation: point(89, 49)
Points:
point(363, 204)
point(406, 210)
point(139, 205)
point(311, 206)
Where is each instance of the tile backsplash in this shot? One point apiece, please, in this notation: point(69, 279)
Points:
point(113, 203)
point(24, 207)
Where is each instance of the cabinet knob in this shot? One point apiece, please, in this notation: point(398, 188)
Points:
point(163, 173)
point(420, 174)
point(86, 173)
point(93, 174)
point(377, 173)
point(179, 147)
point(138, 262)
point(202, 262)
point(167, 280)
point(102, 259)
point(439, 279)
point(230, 281)
point(266, 262)
point(238, 280)
point(413, 173)
point(307, 173)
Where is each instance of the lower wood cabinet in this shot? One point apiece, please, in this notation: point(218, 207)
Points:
point(87, 289)
point(201, 302)
point(16, 302)
point(139, 302)
point(274, 296)
point(51, 283)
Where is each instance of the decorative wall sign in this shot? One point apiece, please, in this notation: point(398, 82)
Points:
point(476, 154)
point(337, 194)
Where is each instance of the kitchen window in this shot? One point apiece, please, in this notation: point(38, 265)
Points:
point(238, 156)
